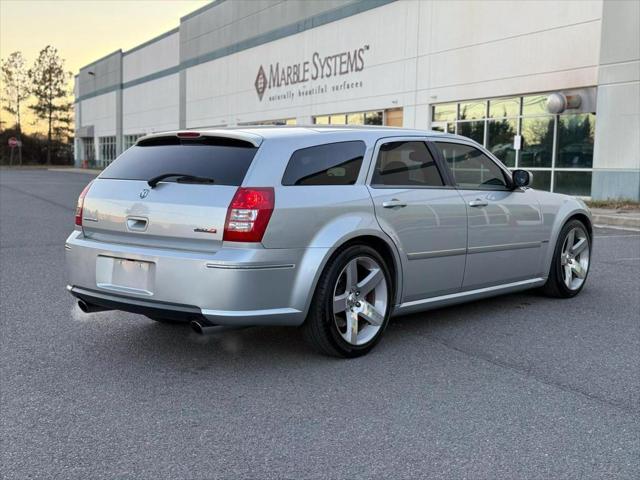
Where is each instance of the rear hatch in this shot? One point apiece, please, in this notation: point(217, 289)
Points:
point(186, 211)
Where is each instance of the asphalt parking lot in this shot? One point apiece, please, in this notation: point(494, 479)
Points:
point(513, 387)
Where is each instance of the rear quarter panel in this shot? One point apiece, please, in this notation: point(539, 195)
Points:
point(312, 216)
point(316, 218)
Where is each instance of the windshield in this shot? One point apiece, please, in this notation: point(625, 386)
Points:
point(223, 159)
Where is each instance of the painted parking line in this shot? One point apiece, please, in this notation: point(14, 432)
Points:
point(611, 227)
point(616, 236)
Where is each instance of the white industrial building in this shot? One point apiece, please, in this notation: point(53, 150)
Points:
point(484, 69)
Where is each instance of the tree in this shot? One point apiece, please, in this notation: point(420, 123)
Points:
point(16, 83)
point(49, 87)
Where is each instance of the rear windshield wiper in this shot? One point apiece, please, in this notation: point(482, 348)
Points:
point(182, 178)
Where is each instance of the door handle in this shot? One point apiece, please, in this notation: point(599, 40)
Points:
point(478, 203)
point(393, 203)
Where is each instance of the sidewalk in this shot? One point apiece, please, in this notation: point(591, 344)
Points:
point(90, 171)
point(610, 217)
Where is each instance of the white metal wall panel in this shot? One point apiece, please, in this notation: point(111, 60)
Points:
point(617, 144)
point(222, 91)
point(560, 58)
point(419, 53)
point(151, 106)
point(152, 58)
point(453, 25)
point(100, 111)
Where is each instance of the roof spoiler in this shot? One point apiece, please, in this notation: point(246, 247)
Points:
point(253, 139)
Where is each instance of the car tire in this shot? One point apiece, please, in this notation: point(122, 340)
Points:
point(563, 281)
point(359, 277)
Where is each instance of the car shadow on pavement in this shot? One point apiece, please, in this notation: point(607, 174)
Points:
point(178, 346)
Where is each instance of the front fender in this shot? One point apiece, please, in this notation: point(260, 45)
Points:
point(557, 209)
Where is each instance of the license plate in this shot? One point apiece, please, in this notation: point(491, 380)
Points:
point(125, 275)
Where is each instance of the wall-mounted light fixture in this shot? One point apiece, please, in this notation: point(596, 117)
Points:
point(559, 102)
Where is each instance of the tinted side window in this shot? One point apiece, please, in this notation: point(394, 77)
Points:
point(329, 164)
point(406, 164)
point(223, 159)
point(471, 168)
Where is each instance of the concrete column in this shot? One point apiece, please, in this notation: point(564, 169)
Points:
point(182, 87)
point(78, 151)
point(616, 162)
point(119, 113)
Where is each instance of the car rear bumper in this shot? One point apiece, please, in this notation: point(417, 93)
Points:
point(233, 286)
point(166, 310)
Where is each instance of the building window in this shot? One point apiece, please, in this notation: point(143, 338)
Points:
point(373, 118)
point(445, 113)
point(357, 118)
point(286, 121)
point(500, 140)
point(473, 110)
point(473, 130)
point(130, 140)
point(394, 117)
point(573, 183)
point(541, 179)
point(537, 142)
point(107, 150)
point(534, 105)
point(576, 134)
point(89, 150)
point(504, 107)
point(448, 127)
point(558, 149)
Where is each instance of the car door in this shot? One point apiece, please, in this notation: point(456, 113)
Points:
point(425, 217)
point(505, 231)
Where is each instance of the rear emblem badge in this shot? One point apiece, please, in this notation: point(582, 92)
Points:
point(205, 230)
point(144, 193)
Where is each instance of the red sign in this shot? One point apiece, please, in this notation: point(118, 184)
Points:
point(14, 142)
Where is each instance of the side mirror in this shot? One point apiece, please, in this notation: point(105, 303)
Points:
point(521, 178)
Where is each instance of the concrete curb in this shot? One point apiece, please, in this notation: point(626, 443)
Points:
point(616, 221)
point(616, 218)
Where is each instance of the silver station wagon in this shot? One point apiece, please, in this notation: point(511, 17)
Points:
point(331, 229)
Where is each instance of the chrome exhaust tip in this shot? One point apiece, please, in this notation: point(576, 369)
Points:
point(202, 327)
point(196, 327)
point(90, 308)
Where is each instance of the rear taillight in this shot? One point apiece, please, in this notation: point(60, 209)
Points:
point(248, 214)
point(80, 204)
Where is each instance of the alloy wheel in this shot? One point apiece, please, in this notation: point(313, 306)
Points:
point(574, 258)
point(360, 300)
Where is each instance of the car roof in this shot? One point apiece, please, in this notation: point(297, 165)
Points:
point(257, 134)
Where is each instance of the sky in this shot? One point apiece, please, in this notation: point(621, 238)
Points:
point(85, 30)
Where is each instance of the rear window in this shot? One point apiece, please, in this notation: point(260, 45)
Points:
point(329, 164)
point(225, 160)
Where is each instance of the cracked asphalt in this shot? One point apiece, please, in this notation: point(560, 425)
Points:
point(514, 387)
